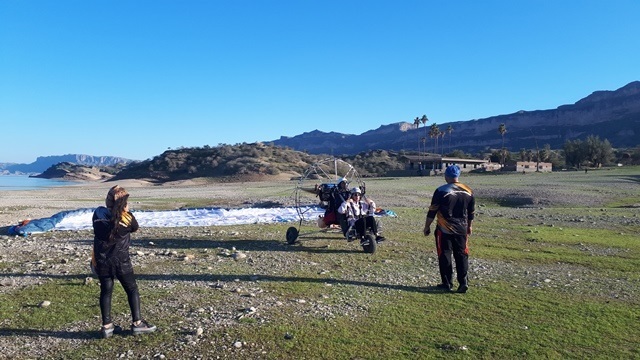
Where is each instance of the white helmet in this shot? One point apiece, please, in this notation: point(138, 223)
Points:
point(356, 190)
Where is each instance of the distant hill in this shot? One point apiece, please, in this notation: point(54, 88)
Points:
point(244, 162)
point(233, 162)
point(42, 163)
point(612, 115)
point(69, 171)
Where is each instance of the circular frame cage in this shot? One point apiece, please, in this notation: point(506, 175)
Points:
point(322, 174)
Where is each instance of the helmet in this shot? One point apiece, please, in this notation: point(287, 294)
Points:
point(356, 190)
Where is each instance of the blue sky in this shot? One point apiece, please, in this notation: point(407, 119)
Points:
point(133, 78)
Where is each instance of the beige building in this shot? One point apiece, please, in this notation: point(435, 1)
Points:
point(528, 166)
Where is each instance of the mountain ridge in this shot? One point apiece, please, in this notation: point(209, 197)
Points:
point(42, 163)
point(611, 114)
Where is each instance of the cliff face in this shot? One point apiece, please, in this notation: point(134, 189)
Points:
point(42, 163)
point(614, 115)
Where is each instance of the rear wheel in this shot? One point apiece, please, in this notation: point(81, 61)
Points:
point(370, 244)
point(292, 235)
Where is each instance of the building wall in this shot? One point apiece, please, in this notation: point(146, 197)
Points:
point(528, 166)
point(436, 167)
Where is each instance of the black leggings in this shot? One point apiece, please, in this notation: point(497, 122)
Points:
point(366, 222)
point(128, 282)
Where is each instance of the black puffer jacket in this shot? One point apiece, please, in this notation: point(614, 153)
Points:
point(112, 257)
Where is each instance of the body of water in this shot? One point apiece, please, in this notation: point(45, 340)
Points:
point(24, 182)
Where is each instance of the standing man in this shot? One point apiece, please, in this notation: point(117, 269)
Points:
point(455, 206)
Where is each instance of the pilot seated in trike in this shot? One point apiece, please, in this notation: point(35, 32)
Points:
point(331, 197)
point(358, 212)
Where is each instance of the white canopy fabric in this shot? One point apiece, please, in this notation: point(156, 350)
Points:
point(81, 219)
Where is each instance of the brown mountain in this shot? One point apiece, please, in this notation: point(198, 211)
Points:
point(612, 115)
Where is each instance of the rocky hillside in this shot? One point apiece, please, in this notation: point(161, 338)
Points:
point(248, 162)
point(69, 171)
point(233, 162)
point(612, 115)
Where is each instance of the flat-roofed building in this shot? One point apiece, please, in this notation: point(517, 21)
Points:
point(528, 166)
point(434, 164)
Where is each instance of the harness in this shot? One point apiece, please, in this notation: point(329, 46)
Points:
point(352, 210)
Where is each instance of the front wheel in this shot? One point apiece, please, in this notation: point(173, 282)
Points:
point(369, 245)
point(292, 235)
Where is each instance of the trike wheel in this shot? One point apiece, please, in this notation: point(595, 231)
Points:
point(370, 244)
point(292, 235)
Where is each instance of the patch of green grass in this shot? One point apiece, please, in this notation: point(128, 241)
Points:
point(494, 322)
point(602, 249)
point(20, 309)
point(627, 202)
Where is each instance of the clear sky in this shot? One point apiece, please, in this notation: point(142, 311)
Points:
point(133, 78)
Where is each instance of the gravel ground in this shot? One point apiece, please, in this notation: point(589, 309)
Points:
point(237, 263)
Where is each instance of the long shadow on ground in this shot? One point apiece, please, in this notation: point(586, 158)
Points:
point(244, 277)
point(240, 244)
point(62, 334)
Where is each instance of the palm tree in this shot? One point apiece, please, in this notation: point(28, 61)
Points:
point(416, 122)
point(449, 131)
point(502, 129)
point(424, 120)
point(434, 132)
point(523, 154)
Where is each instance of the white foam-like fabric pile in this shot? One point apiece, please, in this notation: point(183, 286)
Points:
point(81, 219)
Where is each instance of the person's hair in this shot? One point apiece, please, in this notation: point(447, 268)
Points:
point(109, 200)
point(118, 204)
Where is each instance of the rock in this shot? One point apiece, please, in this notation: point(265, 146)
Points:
point(238, 256)
point(8, 282)
point(237, 344)
point(199, 331)
point(187, 257)
point(44, 304)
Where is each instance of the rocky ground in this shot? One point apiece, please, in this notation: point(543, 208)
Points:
point(237, 263)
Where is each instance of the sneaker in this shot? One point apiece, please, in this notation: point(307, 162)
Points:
point(380, 238)
point(445, 287)
point(142, 328)
point(107, 332)
point(462, 289)
point(364, 242)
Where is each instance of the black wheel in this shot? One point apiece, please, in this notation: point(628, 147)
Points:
point(292, 235)
point(370, 244)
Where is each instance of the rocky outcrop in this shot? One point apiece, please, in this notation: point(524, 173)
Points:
point(42, 163)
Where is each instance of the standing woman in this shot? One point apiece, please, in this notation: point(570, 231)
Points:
point(112, 226)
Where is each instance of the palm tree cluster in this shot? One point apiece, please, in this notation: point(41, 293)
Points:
point(421, 140)
point(434, 133)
